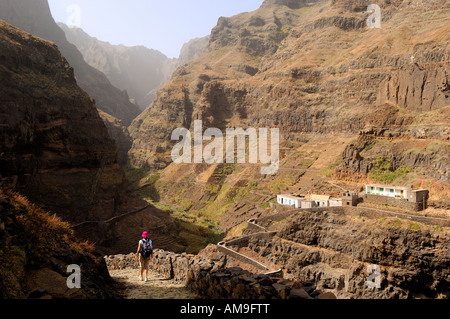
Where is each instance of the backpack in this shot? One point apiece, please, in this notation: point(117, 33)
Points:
point(146, 248)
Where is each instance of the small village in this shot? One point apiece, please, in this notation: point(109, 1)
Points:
point(396, 196)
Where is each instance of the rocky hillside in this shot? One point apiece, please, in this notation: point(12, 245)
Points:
point(353, 105)
point(314, 70)
point(34, 16)
point(36, 248)
point(334, 250)
point(138, 70)
point(55, 148)
point(192, 50)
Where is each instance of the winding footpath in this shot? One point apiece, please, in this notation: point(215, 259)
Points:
point(157, 287)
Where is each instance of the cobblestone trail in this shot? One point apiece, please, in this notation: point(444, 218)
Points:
point(157, 287)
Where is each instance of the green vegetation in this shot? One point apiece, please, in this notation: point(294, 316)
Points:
point(303, 10)
point(432, 148)
point(196, 232)
point(212, 188)
point(226, 170)
point(29, 242)
point(143, 182)
point(186, 204)
point(383, 171)
point(335, 164)
point(326, 172)
point(280, 184)
point(414, 226)
point(306, 162)
point(265, 205)
point(397, 223)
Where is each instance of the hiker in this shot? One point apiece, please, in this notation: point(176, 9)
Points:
point(143, 255)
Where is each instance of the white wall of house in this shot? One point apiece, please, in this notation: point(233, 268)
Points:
point(334, 202)
point(390, 191)
point(288, 201)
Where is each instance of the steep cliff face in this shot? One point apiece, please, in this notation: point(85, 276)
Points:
point(417, 89)
point(35, 17)
point(55, 148)
point(54, 142)
point(192, 50)
point(309, 69)
point(212, 87)
point(138, 70)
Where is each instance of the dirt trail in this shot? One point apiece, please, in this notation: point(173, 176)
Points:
point(157, 287)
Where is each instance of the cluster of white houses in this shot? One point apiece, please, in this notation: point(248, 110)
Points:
point(308, 201)
point(351, 199)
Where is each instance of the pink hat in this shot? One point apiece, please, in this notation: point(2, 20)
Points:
point(145, 234)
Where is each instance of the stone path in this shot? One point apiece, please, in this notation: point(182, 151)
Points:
point(157, 287)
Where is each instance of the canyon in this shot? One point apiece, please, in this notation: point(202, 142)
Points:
point(353, 106)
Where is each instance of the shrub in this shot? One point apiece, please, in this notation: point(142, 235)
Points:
point(383, 171)
point(186, 204)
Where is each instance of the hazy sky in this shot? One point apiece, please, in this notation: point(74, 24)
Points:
point(164, 25)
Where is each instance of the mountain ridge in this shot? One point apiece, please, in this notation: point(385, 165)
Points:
point(35, 17)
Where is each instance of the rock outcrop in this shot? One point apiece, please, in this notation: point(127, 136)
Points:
point(55, 147)
point(334, 247)
point(137, 70)
point(417, 89)
point(192, 50)
point(36, 249)
point(313, 70)
point(34, 16)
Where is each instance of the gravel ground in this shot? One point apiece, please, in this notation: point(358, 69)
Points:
point(157, 287)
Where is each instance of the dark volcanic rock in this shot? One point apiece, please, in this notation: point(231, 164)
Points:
point(417, 89)
point(54, 147)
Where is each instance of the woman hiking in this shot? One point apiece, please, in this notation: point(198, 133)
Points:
point(143, 255)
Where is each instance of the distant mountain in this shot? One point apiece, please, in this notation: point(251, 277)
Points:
point(138, 70)
point(193, 49)
point(34, 16)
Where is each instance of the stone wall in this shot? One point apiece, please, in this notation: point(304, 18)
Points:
point(213, 280)
point(397, 202)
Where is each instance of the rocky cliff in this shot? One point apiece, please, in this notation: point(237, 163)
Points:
point(55, 148)
point(316, 71)
point(354, 106)
point(54, 142)
point(35, 17)
point(36, 248)
point(334, 250)
point(137, 70)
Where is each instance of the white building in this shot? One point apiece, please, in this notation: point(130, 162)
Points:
point(389, 191)
point(309, 201)
point(290, 200)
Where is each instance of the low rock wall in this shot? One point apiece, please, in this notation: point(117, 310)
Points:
point(211, 279)
point(397, 202)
